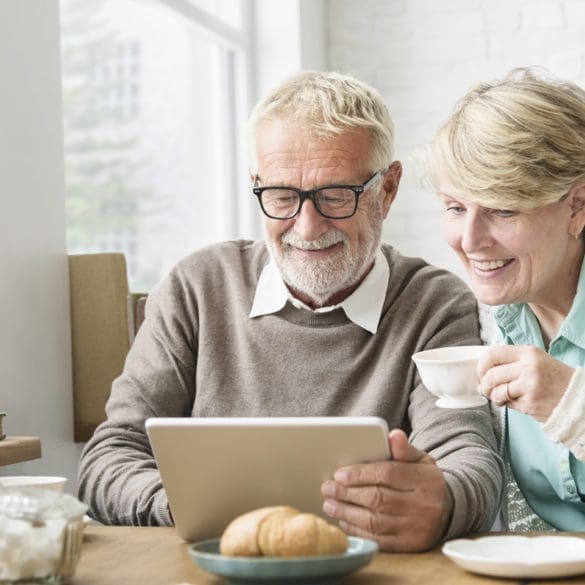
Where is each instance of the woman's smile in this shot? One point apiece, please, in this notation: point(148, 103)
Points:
point(490, 268)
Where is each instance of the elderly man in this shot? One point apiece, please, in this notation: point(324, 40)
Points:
point(319, 319)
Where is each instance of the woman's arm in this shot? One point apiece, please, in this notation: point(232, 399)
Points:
point(566, 424)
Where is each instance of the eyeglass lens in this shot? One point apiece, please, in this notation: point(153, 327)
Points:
point(332, 202)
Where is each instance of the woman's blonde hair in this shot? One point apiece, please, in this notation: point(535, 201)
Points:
point(327, 104)
point(518, 143)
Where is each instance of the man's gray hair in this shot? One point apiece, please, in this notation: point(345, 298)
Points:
point(327, 104)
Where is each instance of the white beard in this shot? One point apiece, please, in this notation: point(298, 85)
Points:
point(321, 278)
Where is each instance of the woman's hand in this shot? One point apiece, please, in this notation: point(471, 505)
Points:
point(523, 377)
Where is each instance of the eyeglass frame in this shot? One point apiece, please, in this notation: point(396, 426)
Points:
point(311, 194)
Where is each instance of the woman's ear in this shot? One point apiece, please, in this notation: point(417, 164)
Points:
point(576, 201)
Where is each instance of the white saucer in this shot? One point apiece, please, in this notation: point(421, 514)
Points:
point(525, 557)
point(472, 401)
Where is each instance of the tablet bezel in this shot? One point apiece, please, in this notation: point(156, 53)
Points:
point(210, 478)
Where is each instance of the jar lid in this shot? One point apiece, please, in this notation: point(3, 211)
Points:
point(37, 505)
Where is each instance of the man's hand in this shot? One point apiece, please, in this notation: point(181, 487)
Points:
point(523, 377)
point(403, 504)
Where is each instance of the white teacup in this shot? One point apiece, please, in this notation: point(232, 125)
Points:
point(451, 374)
point(34, 481)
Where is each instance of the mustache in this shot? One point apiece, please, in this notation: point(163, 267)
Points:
point(327, 240)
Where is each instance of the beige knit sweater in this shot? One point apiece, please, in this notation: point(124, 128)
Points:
point(199, 354)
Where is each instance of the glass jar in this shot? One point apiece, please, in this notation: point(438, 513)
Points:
point(41, 535)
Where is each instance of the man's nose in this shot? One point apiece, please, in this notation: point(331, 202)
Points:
point(309, 223)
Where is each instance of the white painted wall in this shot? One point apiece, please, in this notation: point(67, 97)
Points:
point(422, 55)
point(289, 35)
point(35, 363)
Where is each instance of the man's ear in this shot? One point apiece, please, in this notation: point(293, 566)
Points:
point(576, 201)
point(391, 182)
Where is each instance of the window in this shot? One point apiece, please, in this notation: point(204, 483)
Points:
point(154, 106)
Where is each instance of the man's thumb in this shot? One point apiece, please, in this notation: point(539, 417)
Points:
point(401, 449)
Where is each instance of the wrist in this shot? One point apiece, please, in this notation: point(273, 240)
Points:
point(447, 515)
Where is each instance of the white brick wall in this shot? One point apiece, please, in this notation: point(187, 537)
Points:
point(422, 55)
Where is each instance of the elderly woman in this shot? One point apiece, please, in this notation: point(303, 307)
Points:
point(509, 167)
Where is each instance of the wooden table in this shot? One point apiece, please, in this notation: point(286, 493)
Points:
point(17, 449)
point(157, 556)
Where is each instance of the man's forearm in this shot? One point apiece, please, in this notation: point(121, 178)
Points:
point(120, 483)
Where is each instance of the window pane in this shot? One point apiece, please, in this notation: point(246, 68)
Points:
point(230, 11)
point(146, 148)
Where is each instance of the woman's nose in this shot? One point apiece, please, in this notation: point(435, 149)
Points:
point(475, 234)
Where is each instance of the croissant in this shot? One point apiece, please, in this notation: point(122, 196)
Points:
point(281, 531)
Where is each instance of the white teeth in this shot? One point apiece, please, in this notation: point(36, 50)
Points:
point(490, 264)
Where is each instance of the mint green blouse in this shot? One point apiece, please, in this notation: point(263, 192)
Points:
point(551, 479)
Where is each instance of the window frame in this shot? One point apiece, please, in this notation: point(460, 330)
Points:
point(239, 216)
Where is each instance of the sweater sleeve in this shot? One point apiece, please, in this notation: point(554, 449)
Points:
point(118, 476)
point(566, 423)
point(462, 441)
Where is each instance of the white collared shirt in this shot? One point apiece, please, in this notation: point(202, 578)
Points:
point(363, 306)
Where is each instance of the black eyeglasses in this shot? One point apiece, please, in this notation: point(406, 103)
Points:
point(332, 201)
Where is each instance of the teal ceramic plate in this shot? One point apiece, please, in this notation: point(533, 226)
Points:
point(263, 570)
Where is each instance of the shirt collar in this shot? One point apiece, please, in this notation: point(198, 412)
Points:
point(363, 307)
point(572, 328)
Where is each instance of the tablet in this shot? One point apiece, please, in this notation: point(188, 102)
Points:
point(214, 469)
